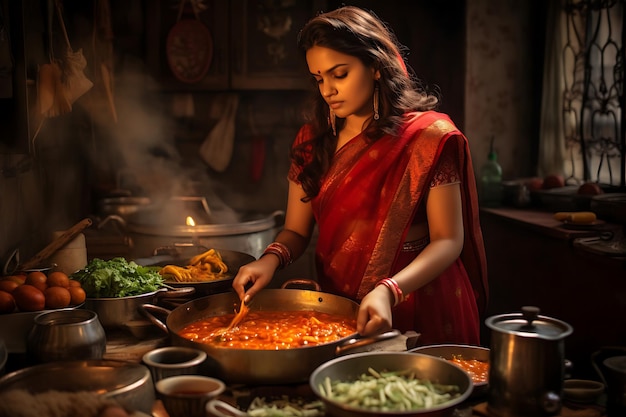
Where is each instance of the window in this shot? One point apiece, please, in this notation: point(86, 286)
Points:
point(583, 133)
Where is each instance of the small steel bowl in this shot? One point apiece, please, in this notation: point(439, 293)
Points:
point(582, 390)
point(174, 360)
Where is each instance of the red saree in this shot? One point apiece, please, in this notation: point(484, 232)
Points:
point(366, 204)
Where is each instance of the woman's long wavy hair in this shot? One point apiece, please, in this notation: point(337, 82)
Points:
point(359, 33)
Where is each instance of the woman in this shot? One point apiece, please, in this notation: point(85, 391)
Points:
point(390, 184)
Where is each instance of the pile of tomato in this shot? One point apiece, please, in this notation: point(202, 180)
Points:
point(36, 291)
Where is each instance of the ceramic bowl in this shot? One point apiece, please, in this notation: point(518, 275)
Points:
point(582, 390)
point(187, 395)
point(174, 360)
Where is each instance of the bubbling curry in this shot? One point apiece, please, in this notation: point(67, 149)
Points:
point(271, 330)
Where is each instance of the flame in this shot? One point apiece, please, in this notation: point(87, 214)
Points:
point(189, 221)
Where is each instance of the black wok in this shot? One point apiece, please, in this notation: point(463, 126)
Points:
point(263, 366)
point(233, 260)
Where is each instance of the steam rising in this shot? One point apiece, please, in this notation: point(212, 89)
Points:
point(141, 147)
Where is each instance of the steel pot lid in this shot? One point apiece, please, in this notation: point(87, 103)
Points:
point(529, 323)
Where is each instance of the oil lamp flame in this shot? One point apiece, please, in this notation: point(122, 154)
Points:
point(189, 221)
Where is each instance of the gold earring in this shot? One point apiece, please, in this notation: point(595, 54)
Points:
point(332, 122)
point(376, 98)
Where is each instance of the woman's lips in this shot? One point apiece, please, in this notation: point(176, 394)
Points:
point(334, 105)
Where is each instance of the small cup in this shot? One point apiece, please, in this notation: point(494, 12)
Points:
point(187, 395)
point(174, 360)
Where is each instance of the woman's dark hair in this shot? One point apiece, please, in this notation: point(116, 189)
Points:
point(359, 33)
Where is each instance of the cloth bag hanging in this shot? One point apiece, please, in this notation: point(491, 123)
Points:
point(61, 82)
point(217, 148)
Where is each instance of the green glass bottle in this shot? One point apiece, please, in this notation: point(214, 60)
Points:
point(490, 191)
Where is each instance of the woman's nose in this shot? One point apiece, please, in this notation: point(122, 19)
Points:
point(328, 90)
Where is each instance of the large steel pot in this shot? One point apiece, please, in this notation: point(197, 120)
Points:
point(156, 227)
point(263, 366)
point(526, 364)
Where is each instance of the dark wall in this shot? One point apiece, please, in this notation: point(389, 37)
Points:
point(434, 32)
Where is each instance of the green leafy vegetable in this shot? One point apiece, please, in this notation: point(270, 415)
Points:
point(117, 278)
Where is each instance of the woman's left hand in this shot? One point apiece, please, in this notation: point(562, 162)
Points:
point(374, 314)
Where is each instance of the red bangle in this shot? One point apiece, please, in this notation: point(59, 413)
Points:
point(395, 289)
point(281, 251)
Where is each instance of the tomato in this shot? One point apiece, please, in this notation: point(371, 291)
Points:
point(7, 302)
point(19, 278)
point(57, 297)
point(37, 279)
point(29, 298)
point(74, 283)
point(8, 285)
point(78, 295)
point(58, 279)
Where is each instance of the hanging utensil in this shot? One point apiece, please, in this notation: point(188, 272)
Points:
point(75, 83)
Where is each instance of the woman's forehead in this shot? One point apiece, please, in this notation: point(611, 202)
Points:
point(321, 59)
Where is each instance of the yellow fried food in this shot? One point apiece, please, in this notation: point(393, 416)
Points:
point(207, 266)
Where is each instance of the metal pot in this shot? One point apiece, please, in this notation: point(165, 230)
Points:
point(122, 206)
point(65, 335)
point(128, 383)
point(425, 367)
point(117, 312)
point(527, 364)
point(263, 366)
point(251, 235)
point(610, 364)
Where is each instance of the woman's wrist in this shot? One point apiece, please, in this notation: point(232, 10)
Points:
point(396, 292)
point(281, 251)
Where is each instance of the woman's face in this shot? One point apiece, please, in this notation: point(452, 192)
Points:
point(345, 83)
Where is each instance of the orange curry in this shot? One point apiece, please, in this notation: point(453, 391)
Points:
point(271, 330)
point(477, 370)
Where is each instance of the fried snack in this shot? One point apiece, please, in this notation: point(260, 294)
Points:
point(207, 266)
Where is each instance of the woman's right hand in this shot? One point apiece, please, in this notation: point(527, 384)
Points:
point(255, 275)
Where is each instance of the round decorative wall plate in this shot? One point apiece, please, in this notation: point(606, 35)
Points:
point(189, 50)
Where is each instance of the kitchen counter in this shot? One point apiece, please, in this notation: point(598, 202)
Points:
point(535, 260)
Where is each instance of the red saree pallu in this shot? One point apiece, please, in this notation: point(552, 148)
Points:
point(367, 202)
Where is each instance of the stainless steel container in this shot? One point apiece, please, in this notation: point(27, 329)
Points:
point(125, 382)
point(66, 334)
point(527, 364)
point(170, 361)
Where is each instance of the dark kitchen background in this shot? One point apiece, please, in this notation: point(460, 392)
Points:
point(141, 131)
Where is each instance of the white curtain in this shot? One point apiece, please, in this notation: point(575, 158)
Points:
point(582, 117)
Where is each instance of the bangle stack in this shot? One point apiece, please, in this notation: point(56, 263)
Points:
point(395, 289)
point(281, 251)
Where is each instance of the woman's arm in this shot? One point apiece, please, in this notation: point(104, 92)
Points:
point(296, 235)
point(445, 225)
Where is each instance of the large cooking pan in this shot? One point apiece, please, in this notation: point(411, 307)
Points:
point(233, 260)
point(263, 366)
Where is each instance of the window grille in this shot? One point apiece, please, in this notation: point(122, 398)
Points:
point(594, 106)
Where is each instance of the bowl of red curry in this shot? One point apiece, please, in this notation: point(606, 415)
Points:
point(472, 359)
